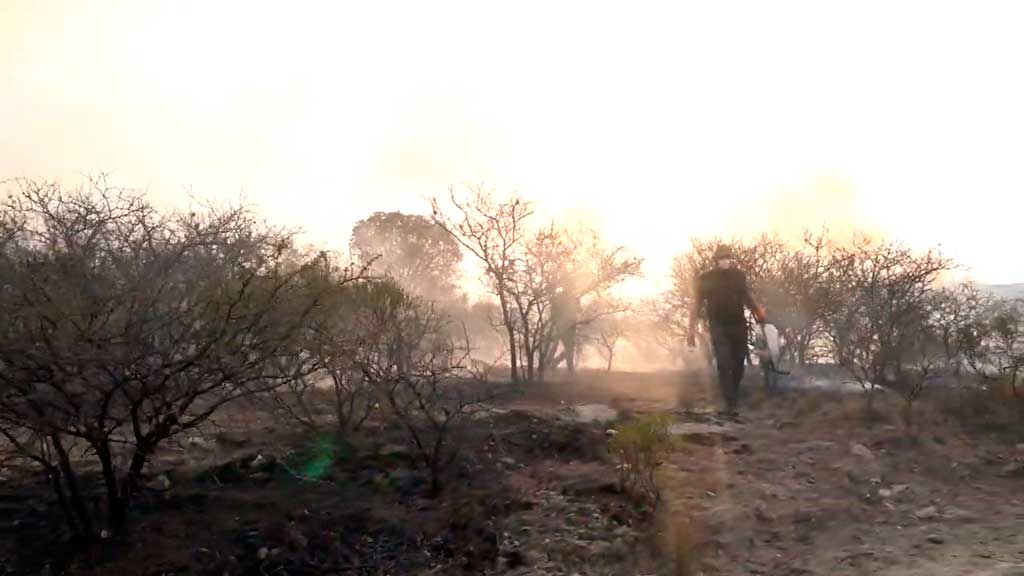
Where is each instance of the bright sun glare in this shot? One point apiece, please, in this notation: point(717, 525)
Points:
point(652, 121)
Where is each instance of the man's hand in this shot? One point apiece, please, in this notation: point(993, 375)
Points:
point(760, 315)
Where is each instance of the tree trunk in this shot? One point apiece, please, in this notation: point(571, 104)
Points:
point(119, 513)
point(542, 359)
point(908, 416)
point(1016, 398)
point(341, 413)
point(529, 352)
point(65, 507)
point(510, 329)
point(869, 409)
point(436, 467)
point(77, 500)
point(102, 448)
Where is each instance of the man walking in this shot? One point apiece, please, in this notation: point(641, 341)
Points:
point(723, 293)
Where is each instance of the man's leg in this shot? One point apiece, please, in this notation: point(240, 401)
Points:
point(738, 344)
point(725, 364)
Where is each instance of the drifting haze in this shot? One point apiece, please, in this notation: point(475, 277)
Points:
point(653, 123)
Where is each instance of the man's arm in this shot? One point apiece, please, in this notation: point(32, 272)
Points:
point(756, 309)
point(698, 301)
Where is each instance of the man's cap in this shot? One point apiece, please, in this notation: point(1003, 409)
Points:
point(723, 251)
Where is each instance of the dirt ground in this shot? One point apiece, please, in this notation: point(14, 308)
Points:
point(804, 485)
point(801, 485)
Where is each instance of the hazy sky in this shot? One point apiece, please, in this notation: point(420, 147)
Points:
point(652, 121)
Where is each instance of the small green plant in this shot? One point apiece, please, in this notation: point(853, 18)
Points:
point(639, 445)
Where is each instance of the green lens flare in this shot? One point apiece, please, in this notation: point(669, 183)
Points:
point(323, 458)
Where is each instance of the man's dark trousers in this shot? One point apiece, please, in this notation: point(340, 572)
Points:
point(730, 345)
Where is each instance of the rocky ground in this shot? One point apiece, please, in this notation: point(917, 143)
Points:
point(819, 494)
point(534, 493)
point(801, 485)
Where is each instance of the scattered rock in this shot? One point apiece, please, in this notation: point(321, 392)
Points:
point(199, 443)
point(257, 462)
point(761, 513)
point(515, 558)
point(263, 553)
point(407, 480)
point(594, 413)
point(695, 428)
point(227, 473)
point(885, 493)
point(394, 450)
point(862, 451)
point(295, 538)
point(862, 467)
point(534, 558)
point(958, 514)
point(802, 517)
point(814, 446)
point(507, 461)
point(928, 513)
point(936, 539)
point(1013, 470)
point(161, 483)
point(622, 531)
point(743, 449)
point(618, 550)
point(991, 459)
point(898, 489)
point(233, 439)
point(591, 485)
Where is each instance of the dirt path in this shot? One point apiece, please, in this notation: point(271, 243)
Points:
point(802, 486)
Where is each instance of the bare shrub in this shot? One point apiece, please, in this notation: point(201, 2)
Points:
point(878, 312)
point(986, 405)
point(124, 326)
point(606, 331)
point(420, 373)
point(493, 231)
point(330, 345)
point(542, 278)
point(994, 351)
point(559, 289)
point(639, 447)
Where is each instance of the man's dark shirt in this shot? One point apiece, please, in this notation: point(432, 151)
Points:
point(725, 293)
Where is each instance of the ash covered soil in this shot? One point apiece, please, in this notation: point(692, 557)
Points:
point(801, 485)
